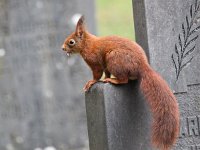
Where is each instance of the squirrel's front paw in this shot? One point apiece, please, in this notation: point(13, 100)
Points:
point(89, 84)
point(107, 80)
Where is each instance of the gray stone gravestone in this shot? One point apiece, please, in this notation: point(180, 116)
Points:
point(169, 32)
point(116, 115)
point(41, 97)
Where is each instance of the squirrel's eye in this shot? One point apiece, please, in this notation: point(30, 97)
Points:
point(72, 42)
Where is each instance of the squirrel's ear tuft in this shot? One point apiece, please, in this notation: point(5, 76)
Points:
point(80, 27)
point(81, 20)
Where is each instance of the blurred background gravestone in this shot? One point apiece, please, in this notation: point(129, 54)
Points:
point(169, 32)
point(41, 97)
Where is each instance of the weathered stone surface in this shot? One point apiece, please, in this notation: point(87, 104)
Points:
point(165, 26)
point(169, 32)
point(41, 97)
point(118, 117)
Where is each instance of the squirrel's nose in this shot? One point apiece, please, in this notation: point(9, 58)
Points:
point(63, 48)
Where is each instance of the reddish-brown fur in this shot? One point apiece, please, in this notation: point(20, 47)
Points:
point(126, 60)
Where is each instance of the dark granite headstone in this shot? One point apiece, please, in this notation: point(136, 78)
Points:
point(169, 32)
point(118, 117)
point(41, 97)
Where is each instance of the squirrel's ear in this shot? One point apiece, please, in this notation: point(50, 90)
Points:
point(80, 27)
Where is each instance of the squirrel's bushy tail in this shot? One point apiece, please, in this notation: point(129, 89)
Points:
point(164, 108)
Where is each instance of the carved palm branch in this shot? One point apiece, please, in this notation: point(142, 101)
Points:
point(186, 41)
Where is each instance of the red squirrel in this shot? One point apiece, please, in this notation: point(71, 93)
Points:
point(126, 60)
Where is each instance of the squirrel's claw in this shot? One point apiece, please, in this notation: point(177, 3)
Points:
point(88, 85)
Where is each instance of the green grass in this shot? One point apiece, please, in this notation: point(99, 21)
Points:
point(115, 17)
